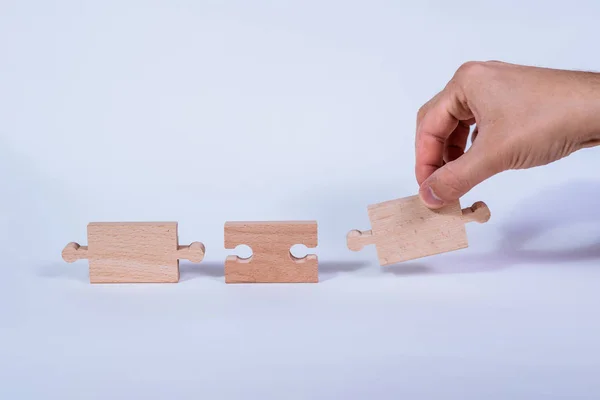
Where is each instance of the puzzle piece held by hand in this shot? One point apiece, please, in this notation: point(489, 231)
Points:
point(405, 229)
point(271, 260)
point(133, 252)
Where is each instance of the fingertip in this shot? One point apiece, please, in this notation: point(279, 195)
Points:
point(429, 197)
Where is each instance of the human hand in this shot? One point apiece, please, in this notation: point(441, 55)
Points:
point(524, 117)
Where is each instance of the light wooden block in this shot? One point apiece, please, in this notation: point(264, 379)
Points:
point(271, 260)
point(405, 229)
point(133, 252)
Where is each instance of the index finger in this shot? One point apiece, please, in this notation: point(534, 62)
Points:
point(440, 118)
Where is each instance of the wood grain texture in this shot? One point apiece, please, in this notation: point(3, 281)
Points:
point(405, 229)
point(271, 260)
point(133, 252)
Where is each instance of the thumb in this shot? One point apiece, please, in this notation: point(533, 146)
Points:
point(450, 182)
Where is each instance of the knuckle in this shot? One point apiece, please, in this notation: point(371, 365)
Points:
point(470, 69)
point(421, 113)
point(424, 109)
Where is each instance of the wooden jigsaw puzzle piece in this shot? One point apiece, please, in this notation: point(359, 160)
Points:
point(405, 229)
point(271, 260)
point(133, 252)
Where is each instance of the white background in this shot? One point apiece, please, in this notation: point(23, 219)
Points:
point(201, 112)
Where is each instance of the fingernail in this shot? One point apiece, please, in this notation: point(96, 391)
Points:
point(430, 198)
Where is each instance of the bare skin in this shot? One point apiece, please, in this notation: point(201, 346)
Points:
point(524, 117)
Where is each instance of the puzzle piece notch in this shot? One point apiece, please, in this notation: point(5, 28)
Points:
point(133, 252)
point(272, 260)
point(291, 253)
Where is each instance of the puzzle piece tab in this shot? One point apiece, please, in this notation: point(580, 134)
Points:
point(405, 229)
point(271, 260)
